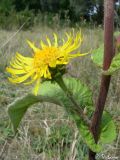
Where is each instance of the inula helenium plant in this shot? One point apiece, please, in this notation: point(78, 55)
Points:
point(44, 60)
point(46, 65)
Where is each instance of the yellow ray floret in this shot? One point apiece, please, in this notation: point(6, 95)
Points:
point(29, 70)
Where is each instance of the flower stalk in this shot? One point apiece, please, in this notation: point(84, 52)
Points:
point(77, 109)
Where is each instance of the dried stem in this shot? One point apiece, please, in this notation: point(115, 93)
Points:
point(105, 80)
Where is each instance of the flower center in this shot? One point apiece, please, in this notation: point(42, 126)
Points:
point(46, 57)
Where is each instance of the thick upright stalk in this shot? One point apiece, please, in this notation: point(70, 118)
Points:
point(105, 80)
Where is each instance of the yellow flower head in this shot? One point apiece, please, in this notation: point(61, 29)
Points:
point(49, 56)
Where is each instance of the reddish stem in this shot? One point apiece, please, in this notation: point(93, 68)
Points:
point(105, 80)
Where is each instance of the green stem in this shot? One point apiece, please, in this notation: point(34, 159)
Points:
point(77, 109)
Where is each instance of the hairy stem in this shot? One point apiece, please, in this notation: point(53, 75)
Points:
point(77, 109)
point(105, 80)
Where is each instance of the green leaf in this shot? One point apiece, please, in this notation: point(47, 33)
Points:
point(81, 92)
point(108, 129)
point(117, 33)
point(83, 95)
point(97, 56)
point(51, 92)
point(115, 65)
point(108, 132)
point(88, 137)
point(18, 108)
